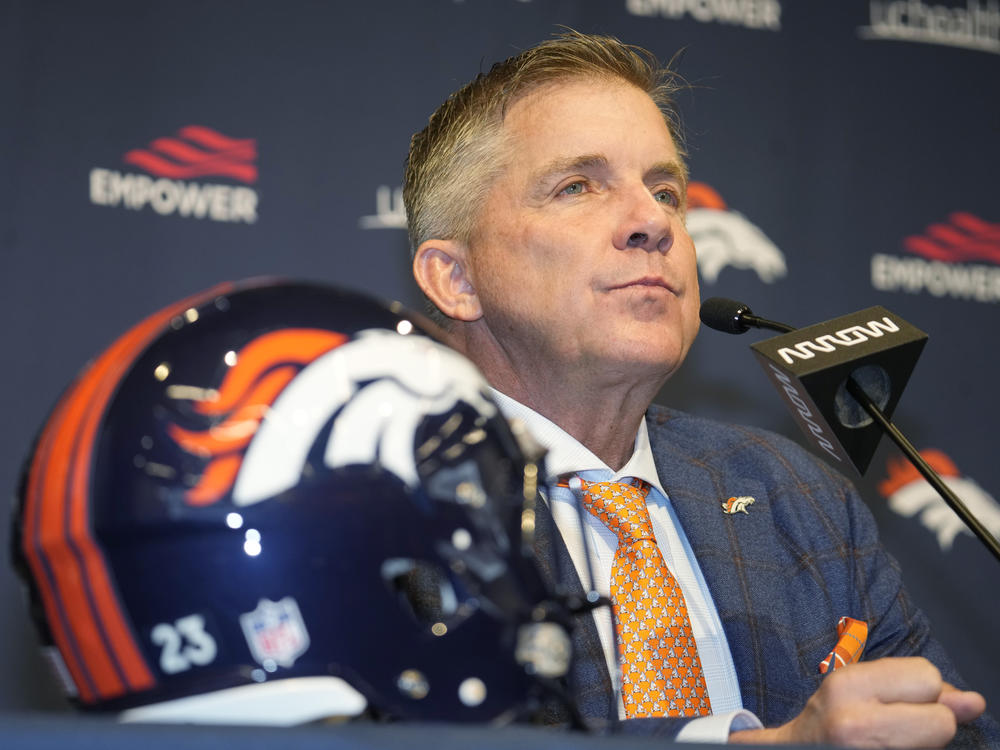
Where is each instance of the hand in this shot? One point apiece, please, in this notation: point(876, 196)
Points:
point(897, 702)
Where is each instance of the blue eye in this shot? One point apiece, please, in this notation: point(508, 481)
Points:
point(574, 188)
point(667, 196)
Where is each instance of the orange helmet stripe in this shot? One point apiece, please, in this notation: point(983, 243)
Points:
point(43, 471)
point(74, 582)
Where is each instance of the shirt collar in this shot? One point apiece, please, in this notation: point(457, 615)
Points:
point(566, 455)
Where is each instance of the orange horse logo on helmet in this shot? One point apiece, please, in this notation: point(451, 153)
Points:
point(285, 386)
point(262, 370)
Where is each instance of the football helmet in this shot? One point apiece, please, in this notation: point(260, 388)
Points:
point(278, 502)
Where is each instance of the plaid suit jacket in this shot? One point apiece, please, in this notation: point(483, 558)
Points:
point(781, 575)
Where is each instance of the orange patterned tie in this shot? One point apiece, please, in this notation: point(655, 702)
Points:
point(661, 671)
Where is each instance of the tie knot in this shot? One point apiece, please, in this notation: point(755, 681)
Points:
point(621, 507)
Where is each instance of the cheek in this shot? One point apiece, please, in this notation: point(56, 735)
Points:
point(686, 258)
point(524, 255)
point(694, 289)
point(691, 301)
point(692, 321)
point(503, 272)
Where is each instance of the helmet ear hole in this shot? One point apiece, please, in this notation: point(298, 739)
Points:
point(423, 589)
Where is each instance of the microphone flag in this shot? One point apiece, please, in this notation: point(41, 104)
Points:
point(810, 367)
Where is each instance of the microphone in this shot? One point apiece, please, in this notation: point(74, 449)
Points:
point(730, 316)
point(842, 380)
point(811, 369)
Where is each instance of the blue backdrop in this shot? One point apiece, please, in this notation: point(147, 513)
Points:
point(844, 154)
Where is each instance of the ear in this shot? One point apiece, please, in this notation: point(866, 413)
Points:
point(440, 268)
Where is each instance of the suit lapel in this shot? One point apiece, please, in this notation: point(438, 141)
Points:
point(737, 559)
point(589, 681)
point(716, 541)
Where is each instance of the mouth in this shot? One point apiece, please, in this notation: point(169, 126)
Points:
point(644, 283)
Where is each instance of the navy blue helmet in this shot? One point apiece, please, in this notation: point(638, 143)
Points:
point(276, 502)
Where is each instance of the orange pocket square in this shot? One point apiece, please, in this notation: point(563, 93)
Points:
point(851, 637)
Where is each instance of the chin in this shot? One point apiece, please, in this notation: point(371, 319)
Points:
point(646, 359)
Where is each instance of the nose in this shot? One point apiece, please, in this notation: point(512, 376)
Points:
point(645, 224)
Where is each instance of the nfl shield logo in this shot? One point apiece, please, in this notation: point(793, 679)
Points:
point(275, 632)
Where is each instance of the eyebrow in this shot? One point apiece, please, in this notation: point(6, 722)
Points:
point(669, 170)
point(558, 167)
point(664, 170)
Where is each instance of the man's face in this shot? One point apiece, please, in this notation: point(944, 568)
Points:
point(580, 259)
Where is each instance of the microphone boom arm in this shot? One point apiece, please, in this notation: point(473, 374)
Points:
point(932, 477)
point(773, 325)
point(730, 316)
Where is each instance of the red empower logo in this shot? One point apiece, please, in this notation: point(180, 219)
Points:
point(197, 151)
point(964, 237)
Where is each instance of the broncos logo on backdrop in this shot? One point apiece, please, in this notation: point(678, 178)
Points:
point(380, 385)
point(727, 238)
point(909, 495)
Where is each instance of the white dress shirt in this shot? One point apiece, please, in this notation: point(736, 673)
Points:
point(566, 455)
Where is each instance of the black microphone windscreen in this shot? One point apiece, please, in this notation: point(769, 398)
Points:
point(725, 315)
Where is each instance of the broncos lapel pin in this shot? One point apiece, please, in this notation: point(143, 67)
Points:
point(738, 505)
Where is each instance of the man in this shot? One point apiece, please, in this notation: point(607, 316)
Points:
point(546, 203)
